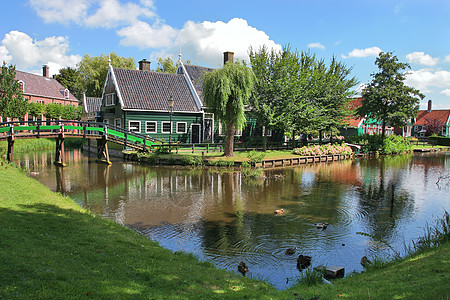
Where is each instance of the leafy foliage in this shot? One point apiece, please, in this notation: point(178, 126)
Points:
point(392, 144)
point(71, 79)
point(70, 112)
point(387, 98)
point(12, 102)
point(93, 71)
point(53, 111)
point(226, 91)
point(36, 109)
point(167, 65)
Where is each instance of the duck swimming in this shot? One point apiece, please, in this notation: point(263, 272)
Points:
point(322, 225)
point(290, 250)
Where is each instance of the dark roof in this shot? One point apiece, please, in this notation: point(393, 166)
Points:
point(152, 90)
point(440, 115)
point(37, 85)
point(196, 75)
point(93, 104)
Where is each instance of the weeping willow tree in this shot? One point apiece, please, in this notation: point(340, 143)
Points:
point(226, 92)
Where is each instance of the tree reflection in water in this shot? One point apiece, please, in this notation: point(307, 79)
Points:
point(224, 218)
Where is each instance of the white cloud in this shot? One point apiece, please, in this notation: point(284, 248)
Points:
point(445, 92)
point(112, 13)
point(316, 45)
point(26, 53)
point(204, 41)
point(425, 79)
point(372, 51)
point(447, 58)
point(61, 11)
point(143, 35)
point(422, 58)
point(4, 55)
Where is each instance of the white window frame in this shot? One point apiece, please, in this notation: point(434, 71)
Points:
point(66, 94)
point(22, 85)
point(106, 121)
point(162, 127)
point(110, 99)
point(133, 130)
point(118, 122)
point(156, 127)
point(237, 132)
point(185, 127)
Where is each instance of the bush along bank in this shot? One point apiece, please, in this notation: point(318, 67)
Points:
point(392, 144)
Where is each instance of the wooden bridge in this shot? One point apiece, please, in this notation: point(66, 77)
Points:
point(10, 131)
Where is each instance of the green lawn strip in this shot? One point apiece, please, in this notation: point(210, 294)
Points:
point(50, 248)
point(422, 276)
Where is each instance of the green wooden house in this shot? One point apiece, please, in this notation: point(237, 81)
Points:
point(138, 100)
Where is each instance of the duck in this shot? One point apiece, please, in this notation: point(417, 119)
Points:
point(304, 260)
point(322, 225)
point(242, 267)
point(279, 211)
point(290, 250)
point(365, 262)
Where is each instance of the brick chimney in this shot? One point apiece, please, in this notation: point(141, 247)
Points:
point(228, 56)
point(429, 106)
point(46, 71)
point(144, 65)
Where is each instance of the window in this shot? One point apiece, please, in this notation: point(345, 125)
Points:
point(166, 127)
point(150, 127)
point(40, 101)
point(22, 85)
point(109, 99)
point(134, 126)
point(268, 131)
point(66, 94)
point(237, 132)
point(106, 121)
point(181, 127)
point(117, 122)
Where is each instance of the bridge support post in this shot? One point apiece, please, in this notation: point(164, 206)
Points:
point(10, 155)
point(102, 150)
point(59, 153)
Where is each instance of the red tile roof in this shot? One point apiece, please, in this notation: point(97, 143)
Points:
point(440, 115)
point(355, 120)
point(36, 85)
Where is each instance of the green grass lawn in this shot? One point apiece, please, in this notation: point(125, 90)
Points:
point(50, 248)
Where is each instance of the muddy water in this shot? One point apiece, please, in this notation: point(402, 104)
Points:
point(225, 219)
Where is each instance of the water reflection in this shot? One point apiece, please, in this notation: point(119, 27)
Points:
point(226, 219)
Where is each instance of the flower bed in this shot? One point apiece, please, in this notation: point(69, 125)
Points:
point(323, 150)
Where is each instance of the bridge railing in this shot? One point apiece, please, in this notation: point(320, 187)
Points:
point(76, 128)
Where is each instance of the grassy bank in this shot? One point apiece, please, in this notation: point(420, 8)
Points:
point(51, 248)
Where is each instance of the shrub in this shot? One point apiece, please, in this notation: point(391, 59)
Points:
point(255, 157)
point(191, 160)
point(393, 144)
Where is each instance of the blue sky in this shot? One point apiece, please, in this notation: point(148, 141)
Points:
point(60, 32)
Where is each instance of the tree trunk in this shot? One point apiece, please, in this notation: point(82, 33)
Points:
point(320, 137)
point(229, 141)
point(383, 130)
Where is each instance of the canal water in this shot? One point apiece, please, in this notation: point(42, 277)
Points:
point(371, 205)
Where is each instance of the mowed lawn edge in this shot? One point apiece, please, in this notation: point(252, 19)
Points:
point(50, 248)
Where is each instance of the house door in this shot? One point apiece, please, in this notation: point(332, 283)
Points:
point(195, 139)
point(208, 129)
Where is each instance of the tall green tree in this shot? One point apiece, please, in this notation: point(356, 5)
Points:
point(167, 65)
point(226, 92)
point(387, 98)
point(93, 71)
point(12, 102)
point(71, 79)
point(332, 87)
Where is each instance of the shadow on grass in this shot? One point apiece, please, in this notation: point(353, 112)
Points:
point(49, 252)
